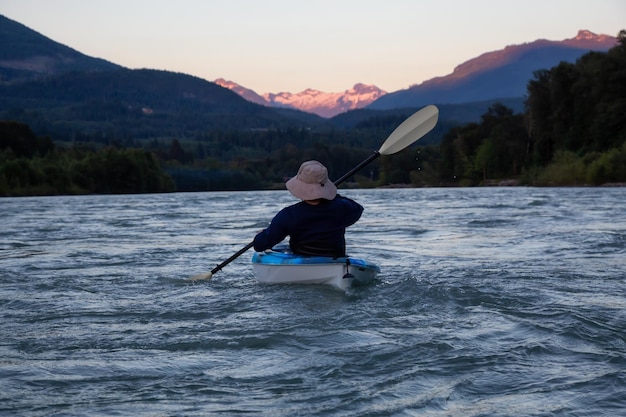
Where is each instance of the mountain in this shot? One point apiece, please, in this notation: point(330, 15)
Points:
point(136, 104)
point(61, 92)
point(27, 55)
point(495, 75)
point(244, 92)
point(310, 100)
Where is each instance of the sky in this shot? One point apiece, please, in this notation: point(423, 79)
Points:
point(273, 46)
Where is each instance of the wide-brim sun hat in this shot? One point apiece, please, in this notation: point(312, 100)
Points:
point(312, 182)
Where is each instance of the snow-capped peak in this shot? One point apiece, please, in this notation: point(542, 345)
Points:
point(311, 100)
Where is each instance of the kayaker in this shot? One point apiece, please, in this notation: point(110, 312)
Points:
point(316, 225)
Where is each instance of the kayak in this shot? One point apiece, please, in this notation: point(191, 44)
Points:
point(273, 267)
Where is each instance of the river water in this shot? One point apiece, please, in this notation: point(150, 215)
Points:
point(491, 302)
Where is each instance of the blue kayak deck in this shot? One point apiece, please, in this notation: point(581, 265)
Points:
point(282, 258)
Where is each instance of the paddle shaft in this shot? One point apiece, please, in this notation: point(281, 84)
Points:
point(357, 168)
point(232, 258)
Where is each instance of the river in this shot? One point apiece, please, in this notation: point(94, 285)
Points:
point(505, 301)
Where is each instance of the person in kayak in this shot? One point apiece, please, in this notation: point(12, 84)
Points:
point(316, 225)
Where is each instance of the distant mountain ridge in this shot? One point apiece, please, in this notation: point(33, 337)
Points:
point(41, 79)
point(27, 55)
point(63, 93)
point(498, 74)
point(584, 40)
point(310, 100)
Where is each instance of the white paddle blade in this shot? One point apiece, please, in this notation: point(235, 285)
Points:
point(412, 129)
point(202, 277)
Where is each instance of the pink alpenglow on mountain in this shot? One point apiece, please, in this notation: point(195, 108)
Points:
point(497, 74)
point(312, 101)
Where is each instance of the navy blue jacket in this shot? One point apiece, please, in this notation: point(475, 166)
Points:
point(312, 229)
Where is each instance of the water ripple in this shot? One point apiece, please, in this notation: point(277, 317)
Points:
point(497, 301)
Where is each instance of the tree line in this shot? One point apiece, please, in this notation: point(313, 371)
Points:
point(572, 132)
point(35, 166)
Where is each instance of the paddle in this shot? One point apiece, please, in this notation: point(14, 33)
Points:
point(412, 129)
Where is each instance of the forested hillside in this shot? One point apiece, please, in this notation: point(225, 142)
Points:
point(30, 165)
point(133, 104)
point(572, 132)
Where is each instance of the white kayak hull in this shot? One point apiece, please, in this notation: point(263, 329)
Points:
point(286, 268)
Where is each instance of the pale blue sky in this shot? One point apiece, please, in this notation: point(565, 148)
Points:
point(329, 45)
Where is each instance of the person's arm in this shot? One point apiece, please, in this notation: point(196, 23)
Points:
point(351, 209)
point(273, 234)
